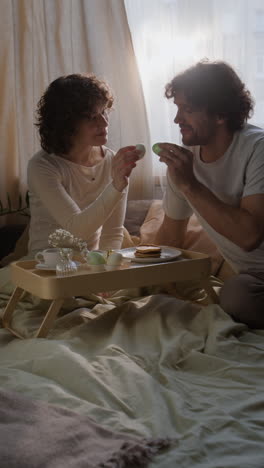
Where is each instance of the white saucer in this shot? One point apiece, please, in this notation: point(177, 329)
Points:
point(42, 266)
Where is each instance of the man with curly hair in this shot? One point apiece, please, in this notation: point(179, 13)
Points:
point(219, 175)
point(75, 182)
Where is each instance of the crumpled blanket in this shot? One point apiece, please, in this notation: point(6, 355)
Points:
point(38, 434)
point(31, 310)
point(150, 367)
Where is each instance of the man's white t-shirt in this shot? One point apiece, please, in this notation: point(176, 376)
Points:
point(237, 174)
point(79, 199)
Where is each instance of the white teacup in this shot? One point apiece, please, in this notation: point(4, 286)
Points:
point(49, 257)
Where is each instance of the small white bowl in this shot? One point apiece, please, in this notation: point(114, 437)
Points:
point(114, 259)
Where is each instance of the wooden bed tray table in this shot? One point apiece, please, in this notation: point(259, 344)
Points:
point(192, 266)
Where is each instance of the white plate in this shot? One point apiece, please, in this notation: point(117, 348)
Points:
point(42, 266)
point(167, 254)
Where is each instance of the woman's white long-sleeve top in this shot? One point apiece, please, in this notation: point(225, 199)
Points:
point(79, 199)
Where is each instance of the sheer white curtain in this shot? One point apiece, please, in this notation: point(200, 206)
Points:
point(43, 39)
point(170, 35)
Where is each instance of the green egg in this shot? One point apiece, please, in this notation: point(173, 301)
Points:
point(156, 148)
point(95, 258)
point(142, 149)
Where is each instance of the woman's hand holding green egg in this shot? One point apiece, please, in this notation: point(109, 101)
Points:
point(123, 163)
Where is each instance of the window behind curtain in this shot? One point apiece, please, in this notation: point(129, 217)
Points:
point(170, 35)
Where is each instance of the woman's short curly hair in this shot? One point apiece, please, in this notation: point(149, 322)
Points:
point(65, 102)
point(215, 87)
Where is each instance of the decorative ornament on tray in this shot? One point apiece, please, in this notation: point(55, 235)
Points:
point(97, 260)
point(64, 239)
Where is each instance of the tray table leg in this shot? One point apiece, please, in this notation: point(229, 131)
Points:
point(210, 291)
point(10, 307)
point(49, 318)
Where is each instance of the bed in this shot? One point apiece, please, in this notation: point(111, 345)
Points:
point(151, 367)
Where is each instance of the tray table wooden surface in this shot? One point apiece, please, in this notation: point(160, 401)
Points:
point(46, 285)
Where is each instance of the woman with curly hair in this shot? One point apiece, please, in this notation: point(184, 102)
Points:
point(220, 178)
point(75, 182)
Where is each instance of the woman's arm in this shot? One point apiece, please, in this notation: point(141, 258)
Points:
point(45, 181)
point(112, 231)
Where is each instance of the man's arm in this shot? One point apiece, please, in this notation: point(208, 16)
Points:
point(243, 225)
point(172, 232)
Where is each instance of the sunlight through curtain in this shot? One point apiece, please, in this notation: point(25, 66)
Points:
point(170, 35)
point(43, 39)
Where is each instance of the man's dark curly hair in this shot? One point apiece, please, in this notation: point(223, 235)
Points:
point(66, 101)
point(215, 87)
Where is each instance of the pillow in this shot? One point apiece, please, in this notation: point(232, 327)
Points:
point(20, 250)
point(9, 235)
point(135, 214)
point(196, 238)
point(128, 240)
point(21, 247)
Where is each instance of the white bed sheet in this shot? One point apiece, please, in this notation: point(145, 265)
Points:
point(154, 367)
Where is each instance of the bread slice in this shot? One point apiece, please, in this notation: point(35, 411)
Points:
point(148, 250)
